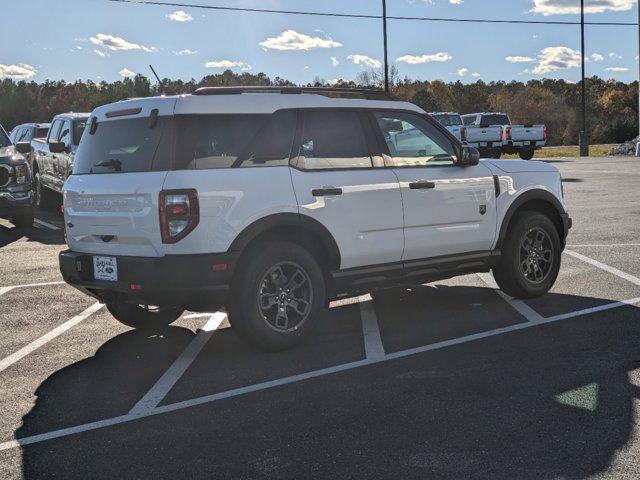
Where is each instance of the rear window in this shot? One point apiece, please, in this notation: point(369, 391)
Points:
point(188, 142)
point(448, 120)
point(489, 120)
point(119, 146)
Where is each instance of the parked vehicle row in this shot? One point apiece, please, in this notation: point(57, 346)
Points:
point(272, 204)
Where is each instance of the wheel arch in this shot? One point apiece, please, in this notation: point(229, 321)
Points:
point(536, 200)
point(296, 228)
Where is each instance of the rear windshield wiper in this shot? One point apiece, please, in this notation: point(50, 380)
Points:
point(113, 163)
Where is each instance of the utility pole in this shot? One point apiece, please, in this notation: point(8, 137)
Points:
point(384, 35)
point(584, 137)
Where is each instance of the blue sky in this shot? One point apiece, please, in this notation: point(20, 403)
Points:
point(101, 40)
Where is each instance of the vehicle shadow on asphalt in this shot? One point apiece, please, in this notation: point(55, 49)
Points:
point(553, 401)
point(32, 234)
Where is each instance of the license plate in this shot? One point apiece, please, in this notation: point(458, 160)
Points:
point(105, 268)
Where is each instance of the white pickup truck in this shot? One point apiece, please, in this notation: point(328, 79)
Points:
point(452, 122)
point(482, 129)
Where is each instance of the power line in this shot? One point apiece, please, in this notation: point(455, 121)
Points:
point(364, 16)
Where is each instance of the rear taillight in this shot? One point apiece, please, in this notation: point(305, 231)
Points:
point(507, 132)
point(179, 214)
point(463, 134)
point(544, 132)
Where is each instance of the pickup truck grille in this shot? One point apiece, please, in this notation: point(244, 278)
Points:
point(5, 175)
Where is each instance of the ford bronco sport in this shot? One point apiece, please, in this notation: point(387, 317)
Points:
point(270, 202)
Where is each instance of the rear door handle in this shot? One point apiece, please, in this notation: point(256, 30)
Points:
point(422, 185)
point(325, 192)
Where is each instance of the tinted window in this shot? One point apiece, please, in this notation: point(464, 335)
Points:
point(214, 141)
point(469, 120)
point(448, 120)
point(413, 141)
point(65, 133)
point(120, 146)
point(489, 120)
point(78, 129)
point(333, 139)
point(41, 132)
point(272, 144)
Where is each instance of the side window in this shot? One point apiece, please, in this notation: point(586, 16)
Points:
point(20, 135)
point(78, 129)
point(213, 141)
point(54, 131)
point(65, 133)
point(333, 139)
point(469, 120)
point(26, 135)
point(272, 145)
point(413, 142)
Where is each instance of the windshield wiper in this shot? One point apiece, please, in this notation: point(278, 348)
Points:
point(113, 163)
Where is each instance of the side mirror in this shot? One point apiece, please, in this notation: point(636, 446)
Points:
point(469, 156)
point(57, 147)
point(23, 147)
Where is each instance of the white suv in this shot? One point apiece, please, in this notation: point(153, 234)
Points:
point(270, 202)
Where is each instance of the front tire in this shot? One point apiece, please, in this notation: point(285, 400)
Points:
point(530, 260)
point(278, 296)
point(144, 317)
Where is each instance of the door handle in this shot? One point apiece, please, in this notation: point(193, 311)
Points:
point(422, 185)
point(325, 192)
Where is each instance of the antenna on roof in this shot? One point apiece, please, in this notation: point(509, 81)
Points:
point(157, 78)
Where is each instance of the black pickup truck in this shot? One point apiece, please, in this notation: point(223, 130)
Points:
point(52, 157)
point(15, 183)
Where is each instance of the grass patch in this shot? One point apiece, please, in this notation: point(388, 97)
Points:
point(570, 151)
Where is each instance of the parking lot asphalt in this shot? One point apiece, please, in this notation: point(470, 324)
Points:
point(446, 380)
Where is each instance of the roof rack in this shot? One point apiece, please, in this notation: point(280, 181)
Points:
point(367, 94)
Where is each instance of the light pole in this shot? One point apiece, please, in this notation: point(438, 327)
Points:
point(584, 137)
point(384, 36)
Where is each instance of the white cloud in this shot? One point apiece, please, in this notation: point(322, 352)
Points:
point(364, 60)
point(334, 62)
point(617, 69)
point(463, 71)
point(596, 57)
point(186, 51)
point(564, 7)
point(615, 55)
point(21, 71)
point(519, 59)
point(229, 64)
point(292, 40)
point(126, 73)
point(117, 43)
point(476, 75)
point(552, 59)
point(179, 16)
point(419, 59)
point(100, 53)
point(455, 2)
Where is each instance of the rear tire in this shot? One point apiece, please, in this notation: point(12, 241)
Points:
point(23, 221)
point(278, 296)
point(526, 153)
point(531, 256)
point(144, 317)
point(42, 196)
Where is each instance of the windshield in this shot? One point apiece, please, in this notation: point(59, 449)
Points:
point(449, 120)
point(4, 138)
point(494, 119)
point(119, 146)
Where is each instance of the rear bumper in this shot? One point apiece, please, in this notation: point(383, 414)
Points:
point(15, 203)
point(188, 281)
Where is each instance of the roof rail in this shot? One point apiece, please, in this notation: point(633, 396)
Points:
point(368, 94)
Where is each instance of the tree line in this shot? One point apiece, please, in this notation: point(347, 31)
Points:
point(612, 106)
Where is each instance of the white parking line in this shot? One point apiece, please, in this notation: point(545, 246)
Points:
point(155, 395)
point(270, 384)
point(603, 266)
point(48, 225)
point(12, 287)
point(24, 351)
point(521, 307)
point(599, 308)
point(370, 329)
point(604, 245)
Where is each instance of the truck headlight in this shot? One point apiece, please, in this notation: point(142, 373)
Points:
point(21, 173)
